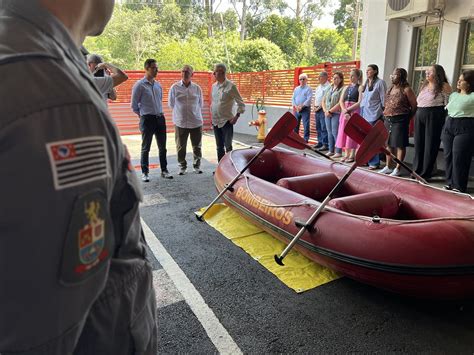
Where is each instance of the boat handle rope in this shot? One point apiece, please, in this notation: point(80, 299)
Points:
point(363, 218)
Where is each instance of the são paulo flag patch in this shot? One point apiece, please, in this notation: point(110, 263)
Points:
point(78, 161)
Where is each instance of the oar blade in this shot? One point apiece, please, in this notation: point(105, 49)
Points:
point(280, 130)
point(372, 143)
point(294, 140)
point(357, 128)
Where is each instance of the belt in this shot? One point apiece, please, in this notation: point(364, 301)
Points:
point(155, 116)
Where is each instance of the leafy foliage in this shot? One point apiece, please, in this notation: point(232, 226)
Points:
point(329, 46)
point(287, 33)
point(178, 33)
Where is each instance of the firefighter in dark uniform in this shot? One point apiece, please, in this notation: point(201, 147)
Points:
point(73, 273)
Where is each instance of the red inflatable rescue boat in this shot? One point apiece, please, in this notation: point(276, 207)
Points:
point(392, 233)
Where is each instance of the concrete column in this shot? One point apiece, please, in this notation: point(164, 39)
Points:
point(379, 38)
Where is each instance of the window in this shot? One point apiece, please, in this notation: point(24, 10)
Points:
point(426, 53)
point(468, 47)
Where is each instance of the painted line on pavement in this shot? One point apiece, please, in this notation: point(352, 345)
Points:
point(214, 329)
point(165, 290)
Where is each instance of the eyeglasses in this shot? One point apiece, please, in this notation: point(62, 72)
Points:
point(303, 79)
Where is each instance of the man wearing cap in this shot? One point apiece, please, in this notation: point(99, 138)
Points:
point(73, 278)
point(321, 131)
point(147, 96)
point(302, 105)
point(106, 76)
point(185, 99)
point(224, 95)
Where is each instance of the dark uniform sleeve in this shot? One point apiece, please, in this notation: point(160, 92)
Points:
point(59, 167)
point(123, 319)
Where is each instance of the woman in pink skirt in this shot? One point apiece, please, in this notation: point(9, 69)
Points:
point(350, 103)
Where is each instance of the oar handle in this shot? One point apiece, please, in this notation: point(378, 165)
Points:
point(279, 259)
point(230, 184)
point(309, 147)
point(418, 177)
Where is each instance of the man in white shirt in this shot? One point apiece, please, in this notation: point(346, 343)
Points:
point(321, 130)
point(185, 99)
point(224, 95)
point(106, 76)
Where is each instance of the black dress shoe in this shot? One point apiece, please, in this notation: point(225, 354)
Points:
point(447, 187)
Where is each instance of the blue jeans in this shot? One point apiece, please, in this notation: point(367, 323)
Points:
point(223, 136)
point(375, 160)
point(321, 130)
point(332, 125)
point(303, 115)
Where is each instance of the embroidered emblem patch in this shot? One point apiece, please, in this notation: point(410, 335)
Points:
point(78, 161)
point(89, 238)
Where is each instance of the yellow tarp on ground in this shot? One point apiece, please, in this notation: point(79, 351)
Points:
point(299, 273)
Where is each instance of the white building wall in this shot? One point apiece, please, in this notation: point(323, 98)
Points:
point(390, 44)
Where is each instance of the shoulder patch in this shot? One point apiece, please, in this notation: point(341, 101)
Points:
point(78, 161)
point(89, 238)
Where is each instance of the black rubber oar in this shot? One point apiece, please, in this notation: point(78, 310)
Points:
point(357, 128)
point(295, 141)
point(279, 131)
point(369, 147)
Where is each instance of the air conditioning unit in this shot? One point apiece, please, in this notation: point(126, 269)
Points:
point(408, 9)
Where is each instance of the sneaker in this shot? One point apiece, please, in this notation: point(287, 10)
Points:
point(447, 187)
point(197, 170)
point(330, 154)
point(166, 175)
point(337, 155)
point(323, 148)
point(396, 172)
point(317, 146)
point(374, 167)
point(386, 170)
point(145, 178)
point(182, 171)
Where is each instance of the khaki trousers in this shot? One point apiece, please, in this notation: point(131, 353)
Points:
point(181, 138)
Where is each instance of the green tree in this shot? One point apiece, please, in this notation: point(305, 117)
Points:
point(347, 21)
point(328, 46)
point(130, 37)
point(345, 15)
point(176, 53)
point(257, 55)
point(308, 10)
point(287, 33)
point(253, 11)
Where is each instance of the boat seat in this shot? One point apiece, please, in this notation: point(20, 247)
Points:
point(315, 186)
point(384, 204)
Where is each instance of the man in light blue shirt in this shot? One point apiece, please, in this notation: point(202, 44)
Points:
point(302, 104)
point(321, 131)
point(147, 96)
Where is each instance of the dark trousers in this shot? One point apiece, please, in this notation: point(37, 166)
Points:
point(303, 115)
point(321, 130)
point(429, 123)
point(152, 125)
point(223, 136)
point(458, 137)
point(181, 139)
